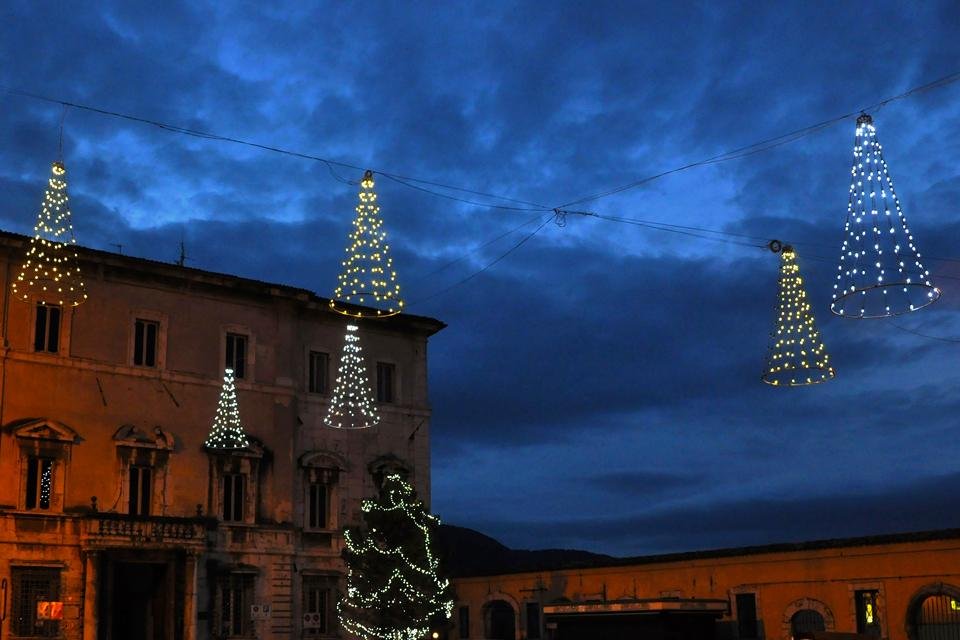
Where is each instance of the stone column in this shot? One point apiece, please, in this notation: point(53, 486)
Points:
point(90, 595)
point(189, 596)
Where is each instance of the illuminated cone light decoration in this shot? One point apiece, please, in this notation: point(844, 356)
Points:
point(880, 273)
point(227, 432)
point(367, 277)
point(351, 405)
point(797, 355)
point(50, 273)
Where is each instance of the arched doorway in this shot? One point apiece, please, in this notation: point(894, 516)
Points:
point(500, 620)
point(934, 614)
point(805, 622)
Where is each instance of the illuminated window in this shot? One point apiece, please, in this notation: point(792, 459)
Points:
point(46, 335)
point(33, 587)
point(868, 614)
point(747, 615)
point(139, 489)
point(236, 354)
point(319, 365)
point(386, 373)
point(145, 333)
point(232, 503)
point(39, 482)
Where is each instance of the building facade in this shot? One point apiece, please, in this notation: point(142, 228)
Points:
point(901, 587)
point(116, 523)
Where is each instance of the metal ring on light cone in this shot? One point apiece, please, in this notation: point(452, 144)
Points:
point(789, 377)
point(889, 314)
point(355, 312)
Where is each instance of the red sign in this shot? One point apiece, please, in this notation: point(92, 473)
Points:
point(49, 610)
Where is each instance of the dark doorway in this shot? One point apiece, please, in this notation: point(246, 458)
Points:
point(139, 601)
point(501, 621)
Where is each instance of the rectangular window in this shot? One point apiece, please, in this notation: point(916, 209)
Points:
point(139, 489)
point(236, 596)
point(319, 363)
point(39, 482)
point(145, 334)
point(316, 605)
point(868, 616)
point(237, 355)
point(747, 615)
point(463, 621)
point(385, 376)
point(33, 590)
point(233, 486)
point(533, 620)
point(319, 494)
point(46, 335)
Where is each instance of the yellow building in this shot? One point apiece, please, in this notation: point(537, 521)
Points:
point(117, 524)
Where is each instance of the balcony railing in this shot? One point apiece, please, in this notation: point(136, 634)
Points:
point(108, 527)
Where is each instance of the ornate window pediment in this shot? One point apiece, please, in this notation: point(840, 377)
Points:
point(132, 436)
point(45, 429)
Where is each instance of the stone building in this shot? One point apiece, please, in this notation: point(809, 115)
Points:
point(117, 524)
point(901, 587)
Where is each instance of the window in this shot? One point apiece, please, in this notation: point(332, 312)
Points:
point(237, 354)
point(463, 621)
point(385, 376)
point(533, 620)
point(316, 605)
point(32, 587)
point(318, 508)
point(868, 615)
point(139, 489)
point(747, 616)
point(145, 334)
point(319, 365)
point(39, 482)
point(46, 335)
point(233, 486)
point(805, 622)
point(236, 596)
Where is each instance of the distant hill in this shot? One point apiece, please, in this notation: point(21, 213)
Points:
point(466, 552)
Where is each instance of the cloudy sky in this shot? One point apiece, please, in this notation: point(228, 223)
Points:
point(599, 387)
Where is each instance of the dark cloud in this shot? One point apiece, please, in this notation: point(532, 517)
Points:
point(600, 364)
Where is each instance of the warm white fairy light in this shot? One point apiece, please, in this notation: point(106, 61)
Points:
point(880, 273)
point(46, 485)
point(367, 277)
point(227, 432)
point(50, 273)
point(797, 355)
point(351, 405)
point(413, 587)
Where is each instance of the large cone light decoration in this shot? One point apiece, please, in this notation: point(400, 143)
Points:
point(797, 356)
point(880, 273)
point(50, 273)
point(367, 277)
point(227, 432)
point(351, 406)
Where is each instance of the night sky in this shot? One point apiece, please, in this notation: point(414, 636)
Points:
point(598, 388)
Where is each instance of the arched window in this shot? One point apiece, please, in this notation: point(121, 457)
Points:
point(500, 620)
point(805, 622)
point(937, 617)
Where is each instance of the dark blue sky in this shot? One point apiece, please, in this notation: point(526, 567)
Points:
point(599, 388)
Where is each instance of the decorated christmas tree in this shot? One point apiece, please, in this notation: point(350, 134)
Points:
point(797, 355)
point(50, 274)
point(394, 591)
point(367, 276)
point(227, 432)
point(351, 405)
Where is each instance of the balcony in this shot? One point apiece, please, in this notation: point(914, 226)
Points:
point(121, 530)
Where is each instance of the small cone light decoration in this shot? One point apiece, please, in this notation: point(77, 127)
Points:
point(797, 355)
point(50, 273)
point(367, 277)
point(227, 432)
point(351, 406)
point(880, 273)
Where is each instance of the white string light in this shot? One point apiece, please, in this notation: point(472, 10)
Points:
point(367, 276)
point(227, 432)
point(797, 355)
point(880, 273)
point(351, 405)
point(412, 594)
point(50, 273)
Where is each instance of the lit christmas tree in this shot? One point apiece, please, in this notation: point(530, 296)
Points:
point(227, 432)
point(797, 355)
point(351, 405)
point(394, 591)
point(50, 273)
point(880, 273)
point(367, 276)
